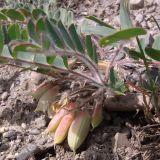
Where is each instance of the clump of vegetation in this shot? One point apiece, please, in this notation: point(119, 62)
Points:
point(48, 41)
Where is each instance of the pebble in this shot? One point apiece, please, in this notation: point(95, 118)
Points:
point(149, 24)
point(139, 18)
point(104, 136)
point(129, 150)
point(26, 153)
point(12, 86)
point(41, 141)
point(34, 132)
point(40, 122)
point(120, 140)
point(4, 96)
point(3, 129)
point(23, 125)
point(136, 4)
point(151, 9)
point(4, 147)
point(11, 135)
point(30, 138)
point(10, 157)
point(37, 78)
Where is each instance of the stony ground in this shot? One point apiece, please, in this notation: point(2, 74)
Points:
point(120, 136)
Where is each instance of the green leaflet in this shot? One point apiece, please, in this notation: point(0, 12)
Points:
point(15, 15)
point(125, 15)
point(122, 35)
point(53, 34)
point(75, 38)
point(14, 32)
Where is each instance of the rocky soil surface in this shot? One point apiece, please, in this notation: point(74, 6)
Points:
point(121, 136)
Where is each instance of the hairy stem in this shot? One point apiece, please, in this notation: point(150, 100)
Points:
point(151, 83)
point(93, 67)
point(82, 75)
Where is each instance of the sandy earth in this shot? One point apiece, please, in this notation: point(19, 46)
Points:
point(121, 136)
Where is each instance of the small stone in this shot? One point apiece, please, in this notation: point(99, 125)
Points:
point(3, 129)
point(12, 86)
point(121, 140)
point(30, 138)
point(116, 21)
point(139, 18)
point(40, 122)
point(104, 136)
point(20, 138)
point(27, 152)
point(3, 147)
point(23, 125)
point(34, 132)
point(136, 4)
point(129, 151)
point(41, 141)
point(4, 96)
point(144, 24)
point(16, 154)
point(10, 157)
point(149, 24)
point(151, 9)
point(15, 147)
point(11, 135)
point(37, 78)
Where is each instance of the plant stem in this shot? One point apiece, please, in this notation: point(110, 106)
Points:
point(156, 22)
point(151, 83)
point(82, 75)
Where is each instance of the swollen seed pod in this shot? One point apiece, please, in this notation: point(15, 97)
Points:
point(62, 129)
point(58, 117)
point(56, 120)
point(79, 130)
point(97, 116)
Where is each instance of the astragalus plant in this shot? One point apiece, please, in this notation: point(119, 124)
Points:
point(52, 44)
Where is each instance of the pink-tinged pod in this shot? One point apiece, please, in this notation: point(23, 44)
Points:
point(59, 115)
point(62, 129)
point(56, 120)
point(97, 116)
point(78, 130)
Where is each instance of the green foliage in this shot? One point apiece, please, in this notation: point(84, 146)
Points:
point(75, 38)
point(15, 15)
point(100, 30)
point(153, 53)
point(125, 15)
point(91, 49)
point(116, 83)
point(101, 23)
point(122, 35)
